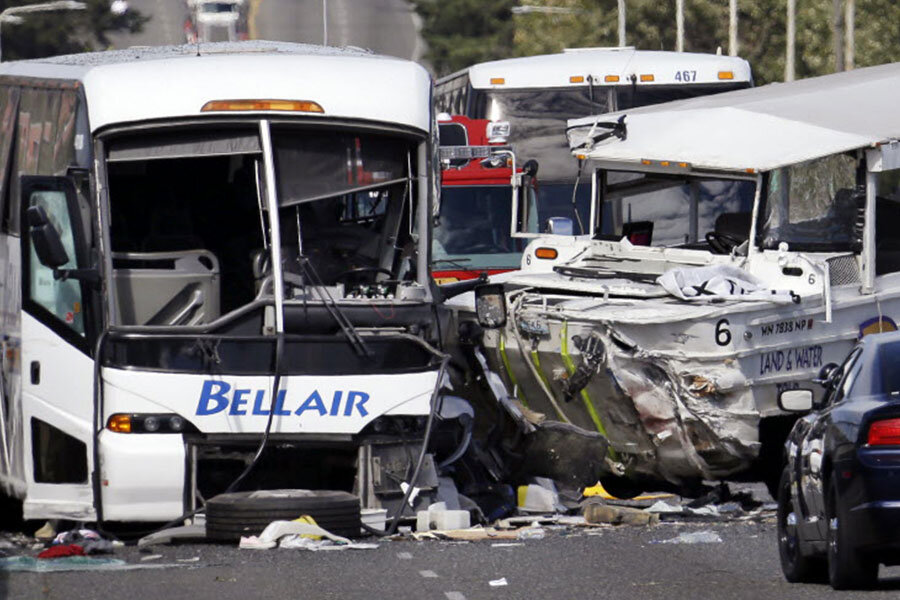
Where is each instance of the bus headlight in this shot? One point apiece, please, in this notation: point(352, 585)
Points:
point(149, 423)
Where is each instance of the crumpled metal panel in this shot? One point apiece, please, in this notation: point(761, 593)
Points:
point(669, 414)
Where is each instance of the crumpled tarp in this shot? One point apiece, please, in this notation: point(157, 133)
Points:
point(297, 534)
point(725, 282)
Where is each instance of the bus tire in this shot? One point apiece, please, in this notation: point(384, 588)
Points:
point(230, 516)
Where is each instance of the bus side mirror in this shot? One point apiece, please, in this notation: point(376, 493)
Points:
point(45, 239)
point(560, 226)
point(490, 305)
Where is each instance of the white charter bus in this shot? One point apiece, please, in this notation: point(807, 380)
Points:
point(538, 94)
point(205, 250)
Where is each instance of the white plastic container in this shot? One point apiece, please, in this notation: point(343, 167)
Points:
point(438, 517)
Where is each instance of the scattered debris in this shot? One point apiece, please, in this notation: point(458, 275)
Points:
point(498, 582)
point(150, 557)
point(534, 532)
point(61, 550)
point(299, 535)
point(618, 515)
point(74, 563)
point(473, 534)
point(46, 533)
point(438, 517)
point(695, 537)
point(540, 497)
point(663, 507)
point(194, 532)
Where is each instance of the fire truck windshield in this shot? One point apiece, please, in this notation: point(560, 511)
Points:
point(474, 229)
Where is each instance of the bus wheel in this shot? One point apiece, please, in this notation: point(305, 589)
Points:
point(230, 516)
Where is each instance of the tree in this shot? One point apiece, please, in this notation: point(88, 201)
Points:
point(52, 33)
point(651, 26)
point(463, 32)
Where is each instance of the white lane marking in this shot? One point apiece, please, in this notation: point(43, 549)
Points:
point(454, 596)
point(428, 574)
point(404, 555)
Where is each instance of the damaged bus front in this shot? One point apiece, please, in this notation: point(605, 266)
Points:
point(738, 244)
point(222, 281)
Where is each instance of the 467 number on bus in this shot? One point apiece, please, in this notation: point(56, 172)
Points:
point(685, 75)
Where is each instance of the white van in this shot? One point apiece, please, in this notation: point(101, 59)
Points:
point(206, 250)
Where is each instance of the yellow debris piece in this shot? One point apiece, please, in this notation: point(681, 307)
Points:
point(309, 521)
point(598, 491)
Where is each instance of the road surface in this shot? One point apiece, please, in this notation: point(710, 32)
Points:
point(612, 563)
point(384, 26)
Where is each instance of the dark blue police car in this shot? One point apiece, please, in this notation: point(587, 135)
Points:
point(839, 495)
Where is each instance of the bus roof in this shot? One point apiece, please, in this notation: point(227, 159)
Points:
point(761, 128)
point(145, 83)
point(604, 65)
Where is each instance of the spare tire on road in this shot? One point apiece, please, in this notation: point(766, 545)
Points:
point(230, 516)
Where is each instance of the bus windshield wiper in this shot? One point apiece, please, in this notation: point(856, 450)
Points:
point(310, 274)
point(603, 274)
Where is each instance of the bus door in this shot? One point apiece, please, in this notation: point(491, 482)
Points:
point(57, 369)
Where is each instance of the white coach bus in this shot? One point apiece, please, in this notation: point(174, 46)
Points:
point(148, 343)
point(538, 94)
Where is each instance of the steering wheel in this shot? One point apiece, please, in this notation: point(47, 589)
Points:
point(722, 243)
point(360, 270)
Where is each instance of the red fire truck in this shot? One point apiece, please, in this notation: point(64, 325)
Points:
point(481, 189)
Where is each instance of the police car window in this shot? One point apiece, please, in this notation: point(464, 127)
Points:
point(848, 378)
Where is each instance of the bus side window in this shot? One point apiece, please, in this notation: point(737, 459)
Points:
point(61, 298)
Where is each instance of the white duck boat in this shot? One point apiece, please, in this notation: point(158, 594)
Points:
point(737, 244)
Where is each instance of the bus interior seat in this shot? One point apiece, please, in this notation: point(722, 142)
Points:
point(148, 282)
point(182, 309)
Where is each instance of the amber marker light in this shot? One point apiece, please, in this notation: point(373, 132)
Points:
point(497, 80)
point(576, 79)
point(306, 106)
point(647, 78)
point(119, 423)
point(546, 253)
point(611, 79)
point(726, 74)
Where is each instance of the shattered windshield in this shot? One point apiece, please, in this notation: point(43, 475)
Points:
point(813, 206)
point(672, 211)
point(185, 223)
point(346, 205)
point(474, 229)
point(316, 164)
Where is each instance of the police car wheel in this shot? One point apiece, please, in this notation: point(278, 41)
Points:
point(229, 516)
